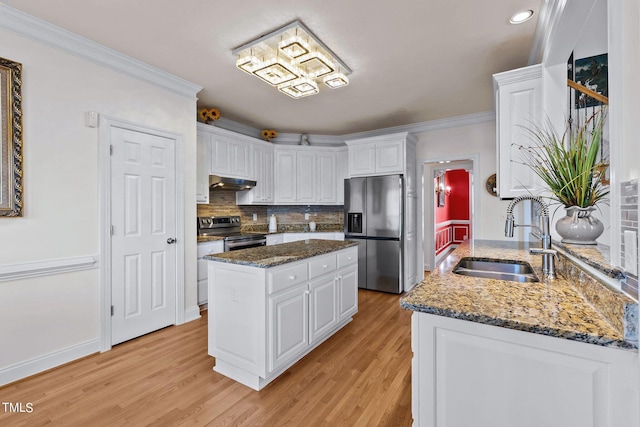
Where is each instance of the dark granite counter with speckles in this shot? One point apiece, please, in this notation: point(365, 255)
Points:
point(271, 256)
point(549, 307)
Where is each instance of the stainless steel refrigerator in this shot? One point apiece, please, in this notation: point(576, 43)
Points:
point(373, 217)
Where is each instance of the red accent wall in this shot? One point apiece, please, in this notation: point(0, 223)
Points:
point(456, 207)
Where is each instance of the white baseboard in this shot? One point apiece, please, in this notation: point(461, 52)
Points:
point(42, 363)
point(191, 313)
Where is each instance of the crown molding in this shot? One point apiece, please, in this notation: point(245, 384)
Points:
point(51, 35)
point(337, 140)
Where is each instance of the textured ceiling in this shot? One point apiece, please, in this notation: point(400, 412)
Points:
point(412, 61)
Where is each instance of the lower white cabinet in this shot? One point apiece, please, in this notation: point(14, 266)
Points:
point(471, 374)
point(303, 303)
point(206, 248)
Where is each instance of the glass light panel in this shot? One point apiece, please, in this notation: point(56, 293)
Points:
point(248, 63)
point(336, 80)
point(316, 64)
point(277, 71)
point(294, 47)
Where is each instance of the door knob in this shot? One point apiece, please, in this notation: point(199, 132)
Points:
point(171, 240)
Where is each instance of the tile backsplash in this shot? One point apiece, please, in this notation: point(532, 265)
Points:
point(629, 222)
point(223, 203)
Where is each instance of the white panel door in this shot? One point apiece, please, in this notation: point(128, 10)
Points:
point(144, 227)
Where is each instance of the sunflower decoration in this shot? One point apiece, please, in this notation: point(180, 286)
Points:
point(269, 134)
point(208, 114)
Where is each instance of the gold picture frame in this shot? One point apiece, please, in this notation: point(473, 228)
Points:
point(11, 184)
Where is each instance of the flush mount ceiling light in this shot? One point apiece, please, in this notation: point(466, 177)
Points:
point(292, 59)
point(521, 17)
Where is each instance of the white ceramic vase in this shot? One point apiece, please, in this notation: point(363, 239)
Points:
point(579, 227)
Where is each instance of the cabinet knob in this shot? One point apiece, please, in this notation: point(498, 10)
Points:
point(292, 277)
point(325, 266)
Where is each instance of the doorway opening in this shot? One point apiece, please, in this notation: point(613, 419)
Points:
point(447, 205)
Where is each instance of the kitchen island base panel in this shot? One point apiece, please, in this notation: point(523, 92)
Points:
point(257, 382)
point(466, 373)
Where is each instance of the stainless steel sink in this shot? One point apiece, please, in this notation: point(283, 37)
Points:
point(515, 271)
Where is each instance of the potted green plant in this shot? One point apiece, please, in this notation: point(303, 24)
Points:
point(571, 167)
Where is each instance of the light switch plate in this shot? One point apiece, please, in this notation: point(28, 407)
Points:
point(255, 217)
point(306, 216)
point(631, 252)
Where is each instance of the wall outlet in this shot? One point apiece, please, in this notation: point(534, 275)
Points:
point(255, 217)
point(631, 252)
point(306, 216)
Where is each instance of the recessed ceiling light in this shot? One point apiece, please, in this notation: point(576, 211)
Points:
point(521, 17)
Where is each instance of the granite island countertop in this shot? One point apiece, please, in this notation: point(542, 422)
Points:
point(550, 307)
point(271, 256)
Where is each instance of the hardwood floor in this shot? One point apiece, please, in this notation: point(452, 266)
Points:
point(359, 377)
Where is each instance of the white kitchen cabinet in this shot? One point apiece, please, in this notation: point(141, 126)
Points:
point(295, 237)
point(342, 173)
point(381, 155)
point(229, 152)
point(518, 103)
point(471, 374)
point(289, 324)
point(303, 302)
point(206, 248)
point(285, 177)
point(295, 176)
point(323, 312)
point(308, 175)
point(203, 143)
point(305, 176)
point(327, 177)
point(275, 239)
point(263, 163)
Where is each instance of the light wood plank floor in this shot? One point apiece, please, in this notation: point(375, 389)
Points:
point(359, 377)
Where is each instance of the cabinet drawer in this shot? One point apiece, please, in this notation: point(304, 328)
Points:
point(347, 257)
point(287, 276)
point(322, 265)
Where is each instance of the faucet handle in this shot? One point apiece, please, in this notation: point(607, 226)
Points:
point(541, 251)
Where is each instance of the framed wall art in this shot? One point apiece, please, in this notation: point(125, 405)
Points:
point(11, 184)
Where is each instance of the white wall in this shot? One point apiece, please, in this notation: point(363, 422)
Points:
point(465, 141)
point(40, 316)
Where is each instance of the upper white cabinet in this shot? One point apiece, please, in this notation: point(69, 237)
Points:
point(203, 142)
point(342, 166)
point(285, 174)
point(327, 177)
point(381, 155)
point(229, 152)
point(307, 175)
point(263, 163)
point(518, 98)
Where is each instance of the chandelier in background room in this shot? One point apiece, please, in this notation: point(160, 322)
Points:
point(293, 60)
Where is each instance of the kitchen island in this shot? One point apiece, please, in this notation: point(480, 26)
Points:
point(271, 305)
point(491, 352)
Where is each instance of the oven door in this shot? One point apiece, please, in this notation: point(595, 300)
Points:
point(235, 245)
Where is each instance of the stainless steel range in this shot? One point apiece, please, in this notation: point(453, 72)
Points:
point(229, 228)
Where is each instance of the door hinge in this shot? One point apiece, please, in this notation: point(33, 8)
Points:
point(111, 150)
point(112, 310)
point(112, 230)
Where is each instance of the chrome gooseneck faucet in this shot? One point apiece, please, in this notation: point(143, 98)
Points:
point(547, 253)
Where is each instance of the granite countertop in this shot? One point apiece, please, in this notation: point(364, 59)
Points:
point(271, 256)
point(597, 256)
point(202, 239)
point(550, 307)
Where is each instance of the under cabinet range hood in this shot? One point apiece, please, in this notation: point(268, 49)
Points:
point(218, 183)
